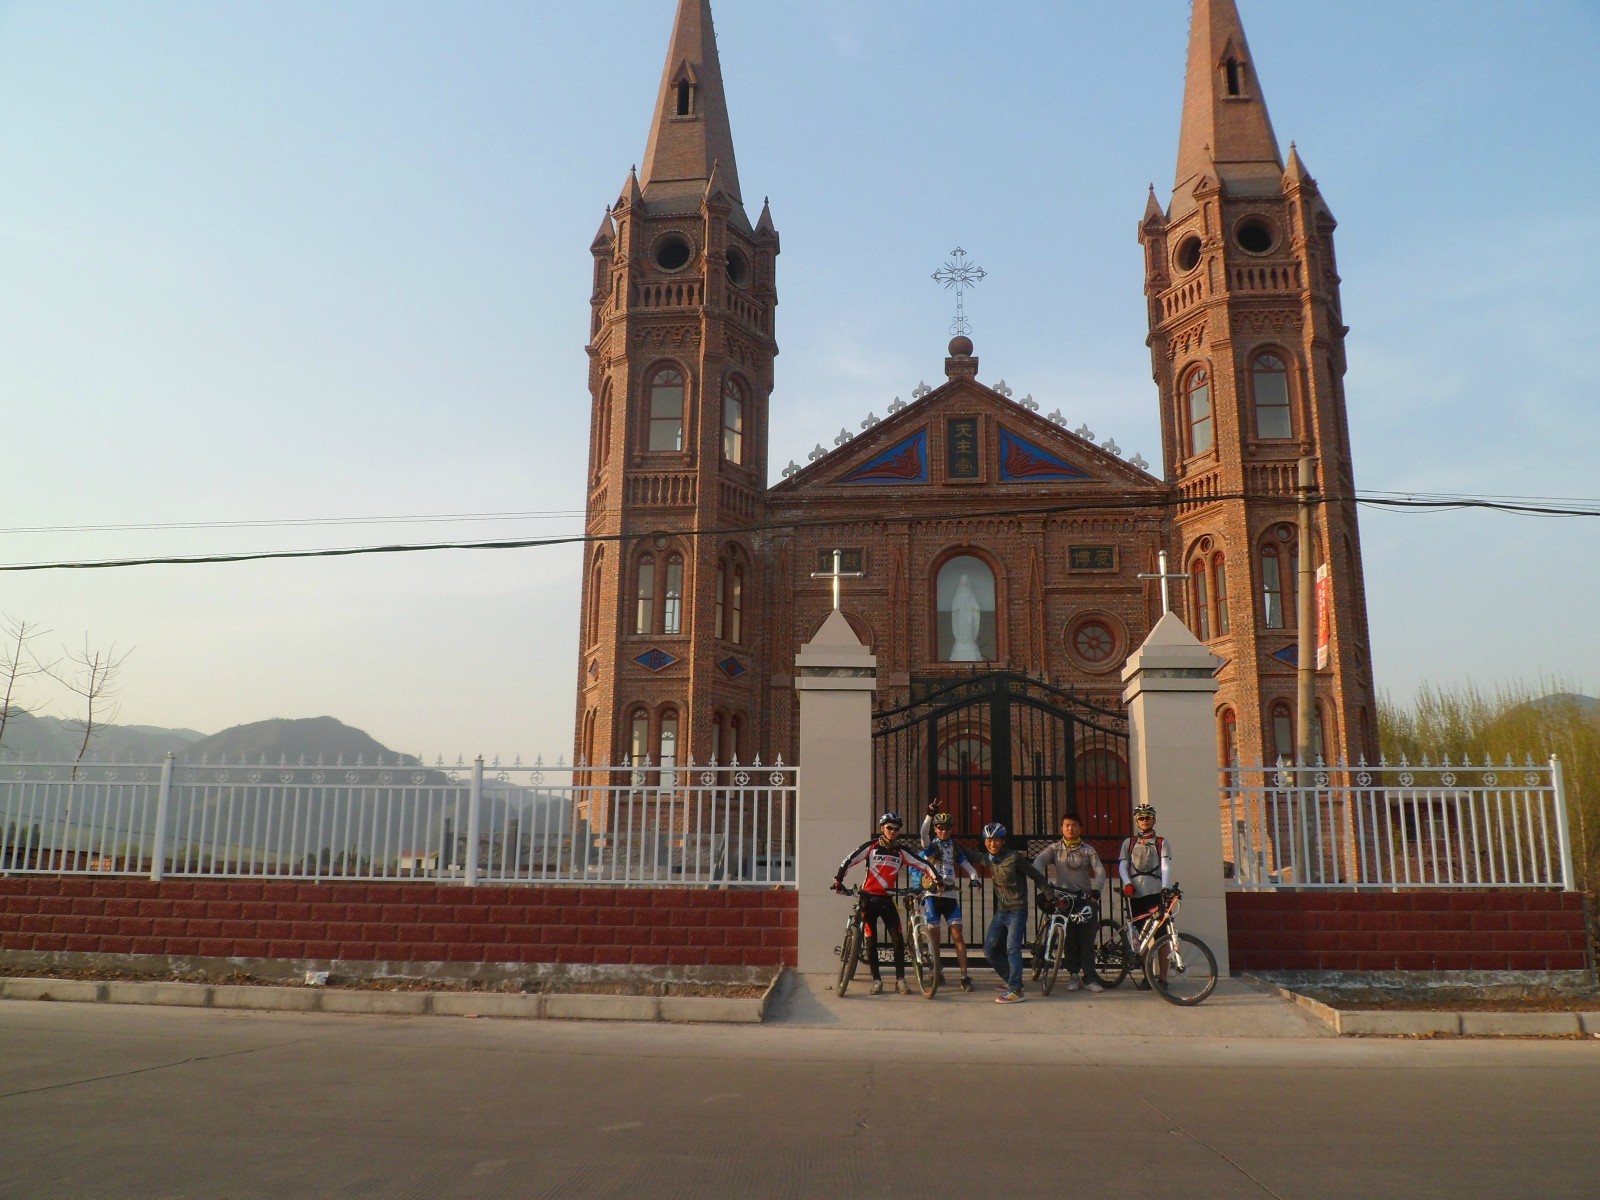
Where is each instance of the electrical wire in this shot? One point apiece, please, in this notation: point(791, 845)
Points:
point(1527, 506)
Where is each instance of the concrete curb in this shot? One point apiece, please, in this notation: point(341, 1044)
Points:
point(506, 1006)
point(1367, 1023)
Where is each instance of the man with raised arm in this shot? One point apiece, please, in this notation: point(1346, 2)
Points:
point(939, 847)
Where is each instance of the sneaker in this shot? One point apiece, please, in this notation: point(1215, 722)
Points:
point(1093, 985)
point(966, 984)
point(1141, 985)
point(1009, 998)
point(1071, 985)
point(876, 989)
point(900, 988)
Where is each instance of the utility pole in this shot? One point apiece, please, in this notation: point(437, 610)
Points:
point(1306, 609)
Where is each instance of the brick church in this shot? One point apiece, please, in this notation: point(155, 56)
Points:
point(979, 535)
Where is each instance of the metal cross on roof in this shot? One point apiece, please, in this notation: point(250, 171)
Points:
point(960, 275)
point(838, 574)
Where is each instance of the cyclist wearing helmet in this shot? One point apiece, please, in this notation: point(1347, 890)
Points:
point(1008, 928)
point(1145, 866)
point(885, 858)
point(939, 847)
point(1076, 866)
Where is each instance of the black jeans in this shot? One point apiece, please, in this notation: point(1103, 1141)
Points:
point(883, 908)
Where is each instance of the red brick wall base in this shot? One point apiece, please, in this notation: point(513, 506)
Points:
point(399, 922)
point(1407, 931)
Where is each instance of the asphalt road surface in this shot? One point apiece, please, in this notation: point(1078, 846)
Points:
point(108, 1101)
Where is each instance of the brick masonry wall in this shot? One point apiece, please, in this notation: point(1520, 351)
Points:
point(1407, 931)
point(399, 922)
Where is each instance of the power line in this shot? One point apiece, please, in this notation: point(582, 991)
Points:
point(1530, 506)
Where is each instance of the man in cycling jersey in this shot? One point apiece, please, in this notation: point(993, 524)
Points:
point(885, 859)
point(1008, 928)
point(1145, 866)
point(939, 847)
point(1075, 865)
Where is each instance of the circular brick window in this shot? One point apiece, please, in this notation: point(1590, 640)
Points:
point(1255, 236)
point(672, 253)
point(1188, 256)
point(1095, 643)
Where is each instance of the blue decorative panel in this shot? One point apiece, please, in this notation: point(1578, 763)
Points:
point(904, 463)
point(594, 668)
point(655, 660)
point(732, 667)
point(1289, 654)
point(1023, 462)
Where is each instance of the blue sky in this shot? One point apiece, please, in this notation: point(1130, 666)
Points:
point(302, 261)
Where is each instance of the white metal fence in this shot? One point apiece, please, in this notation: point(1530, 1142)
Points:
point(1392, 826)
point(706, 826)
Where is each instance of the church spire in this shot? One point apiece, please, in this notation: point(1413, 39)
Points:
point(690, 137)
point(1226, 130)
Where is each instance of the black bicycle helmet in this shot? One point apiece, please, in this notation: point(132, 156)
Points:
point(890, 818)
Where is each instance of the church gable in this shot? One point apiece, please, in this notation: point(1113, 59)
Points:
point(963, 433)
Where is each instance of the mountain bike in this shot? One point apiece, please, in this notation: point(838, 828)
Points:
point(1179, 966)
point(1065, 907)
point(859, 942)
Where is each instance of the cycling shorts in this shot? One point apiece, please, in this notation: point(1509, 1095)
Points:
point(1139, 905)
point(947, 908)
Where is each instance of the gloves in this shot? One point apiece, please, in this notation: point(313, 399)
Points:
point(838, 886)
point(1127, 889)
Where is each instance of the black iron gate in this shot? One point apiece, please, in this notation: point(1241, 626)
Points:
point(1003, 747)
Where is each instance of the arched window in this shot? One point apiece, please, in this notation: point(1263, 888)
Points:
point(1197, 406)
point(669, 737)
point(666, 410)
point(602, 429)
point(1318, 734)
point(1280, 577)
point(733, 422)
point(1219, 588)
point(672, 614)
point(1199, 602)
point(594, 596)
point(735, 732)
point(1269, 380)
point(639, 736)
point(1229, 721)
point(721, 606)
point(965, 602)
point(736, 608)
point(645, 593)
point(717, 720)
point(1282, 724)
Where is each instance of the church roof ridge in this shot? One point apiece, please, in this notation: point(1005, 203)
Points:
point(691, 137)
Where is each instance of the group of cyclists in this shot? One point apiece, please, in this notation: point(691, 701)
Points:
point(1144, 867)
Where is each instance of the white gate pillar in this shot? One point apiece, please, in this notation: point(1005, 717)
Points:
point(836, 677)
point(1172, 740)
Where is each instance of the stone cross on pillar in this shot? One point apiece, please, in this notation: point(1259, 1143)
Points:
point(1161, 574)
point(838, 574)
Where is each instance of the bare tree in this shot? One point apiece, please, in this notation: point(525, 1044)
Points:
point(92, 677)
point(17, 664)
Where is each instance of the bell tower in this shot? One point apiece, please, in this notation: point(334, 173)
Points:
point(1247, 346)
point(681, 352)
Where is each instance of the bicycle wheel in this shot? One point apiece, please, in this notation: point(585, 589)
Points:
point(849, 955)
point(1191, 969)
point(1054, 950)
point(1110, 953)
point(925, 962)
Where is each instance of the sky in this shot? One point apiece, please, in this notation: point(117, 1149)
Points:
point(280, 276)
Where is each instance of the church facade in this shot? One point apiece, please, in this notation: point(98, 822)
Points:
point(977, 534)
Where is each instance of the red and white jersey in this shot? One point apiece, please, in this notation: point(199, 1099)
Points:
point(884, 864)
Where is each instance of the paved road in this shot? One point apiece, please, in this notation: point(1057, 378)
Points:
point(107, 1101)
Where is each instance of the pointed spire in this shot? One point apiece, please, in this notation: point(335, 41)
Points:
point(765, 225)
point(631, 194)
point(691, 136)
point(1152, 208)
point(1226, 129)
point(607, 234)
point(1295, 172)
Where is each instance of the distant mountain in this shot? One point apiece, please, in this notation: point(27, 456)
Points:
point(30, 738)
point(308, 738)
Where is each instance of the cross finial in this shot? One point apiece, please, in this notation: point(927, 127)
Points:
point(1161, 574)
point(838, 574)
point(960, 275)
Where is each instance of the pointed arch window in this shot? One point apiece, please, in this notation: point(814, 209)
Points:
point(672, 612)
point(1229, 720)
point(638, 736)
point(669, 741)
point(1282, 725)
point(965, 596)
point(733, 422)
point(1199, 600)
point(1233, 76)
point(1219, 588)
point(644, 609)
point(1197, 411)
point(685, 98)
point(595, 576)
point(736, 607)
point(665, 393)
point(721, 606)
point(1269, 384)
point(1279, 556)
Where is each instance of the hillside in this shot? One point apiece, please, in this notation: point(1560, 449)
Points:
point(32, 738)
point(310, 738)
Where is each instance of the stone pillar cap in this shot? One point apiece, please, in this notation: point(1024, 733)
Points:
point(835, 645)
point(1171, 647)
